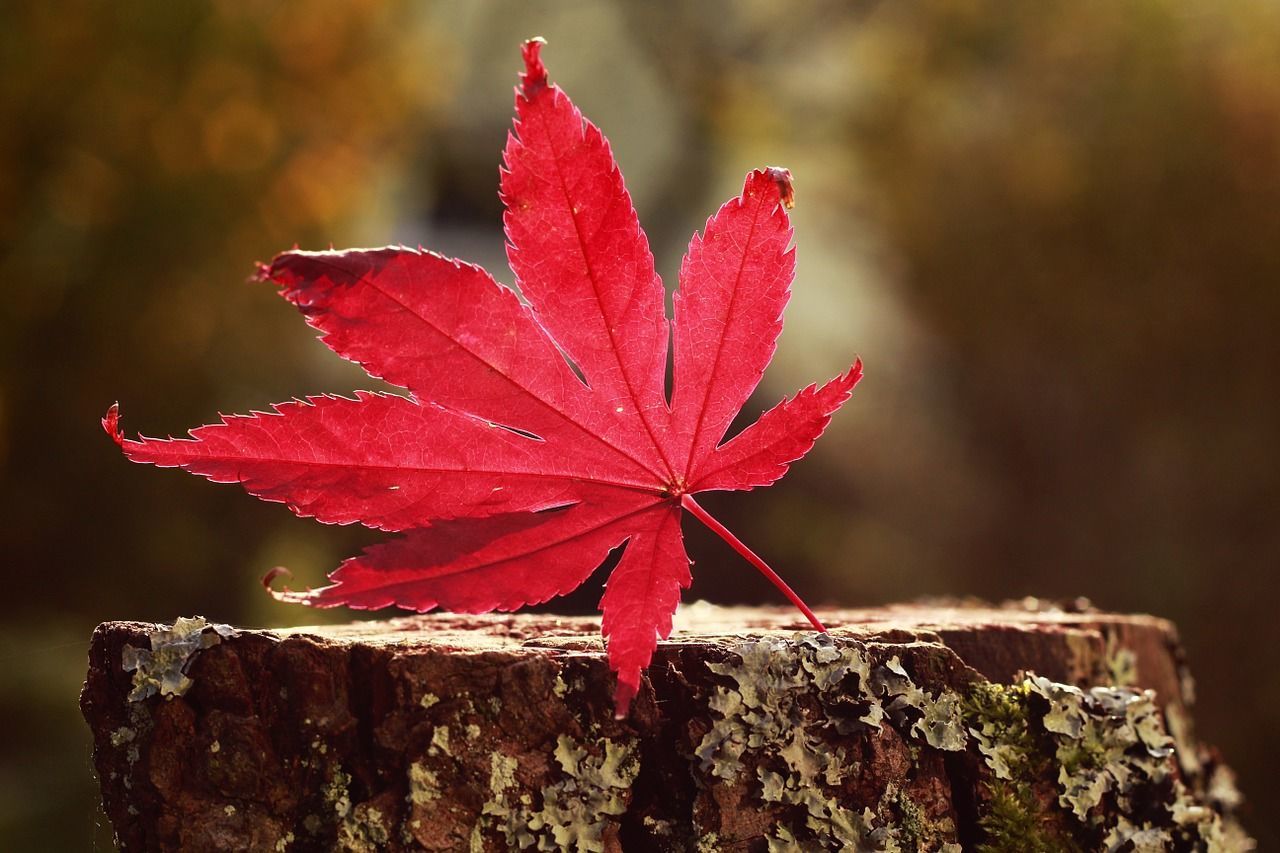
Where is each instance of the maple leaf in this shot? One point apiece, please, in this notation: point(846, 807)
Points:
point(538, 437)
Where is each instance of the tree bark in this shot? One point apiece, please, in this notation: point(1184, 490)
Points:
point(922, 727)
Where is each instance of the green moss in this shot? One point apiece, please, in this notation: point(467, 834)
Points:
point(998, 720)
point(1013, 817)
point(1113, 762)
point(1014, 823)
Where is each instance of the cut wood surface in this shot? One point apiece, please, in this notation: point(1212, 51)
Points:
point(915, 727)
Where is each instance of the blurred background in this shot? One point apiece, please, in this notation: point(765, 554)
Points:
point(1052, 231)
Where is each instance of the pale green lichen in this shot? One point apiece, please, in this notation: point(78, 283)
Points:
point(502, 773)
point(424, 784)
point(1066, 706)
point(658, 826)
point(439, 741)
point(942, 723)
point(1083, 663)
point(763, 706)
point(784, 702)
point(122, 735)
point(363, 831)
point(891, 681)
point(573, 811)
point(833, 826)
point(911, 827)
point(1179, 725)
point(1201, 823)
point(1222, 790)
point(1105, 746)
point(1205, 799)
point(936, 719)
point(1138, 838)
point(569, 755)
point(336, 795)
point(781, 840)
point(162, 668)
point(360, 828)
point(1108, 740)
point(1121, 663)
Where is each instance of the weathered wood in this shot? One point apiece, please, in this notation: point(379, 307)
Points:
point(907, 728)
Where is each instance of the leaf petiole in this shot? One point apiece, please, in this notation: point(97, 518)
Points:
point(736, 544)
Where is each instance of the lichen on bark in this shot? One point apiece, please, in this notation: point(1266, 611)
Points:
point(1119, 782)
point(902, 730)
point(162, 667)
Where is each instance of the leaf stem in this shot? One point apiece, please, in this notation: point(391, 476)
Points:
point(720, 530)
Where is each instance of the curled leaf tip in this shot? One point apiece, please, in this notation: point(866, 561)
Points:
point(782, 177)
point(284, 594)
point(534, 78)
point(312, 597)
point(261, 272)
point(111, 424)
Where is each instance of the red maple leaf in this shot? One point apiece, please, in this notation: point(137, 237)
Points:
point(511, 474)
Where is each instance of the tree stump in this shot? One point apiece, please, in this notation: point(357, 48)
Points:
point(926, 727)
